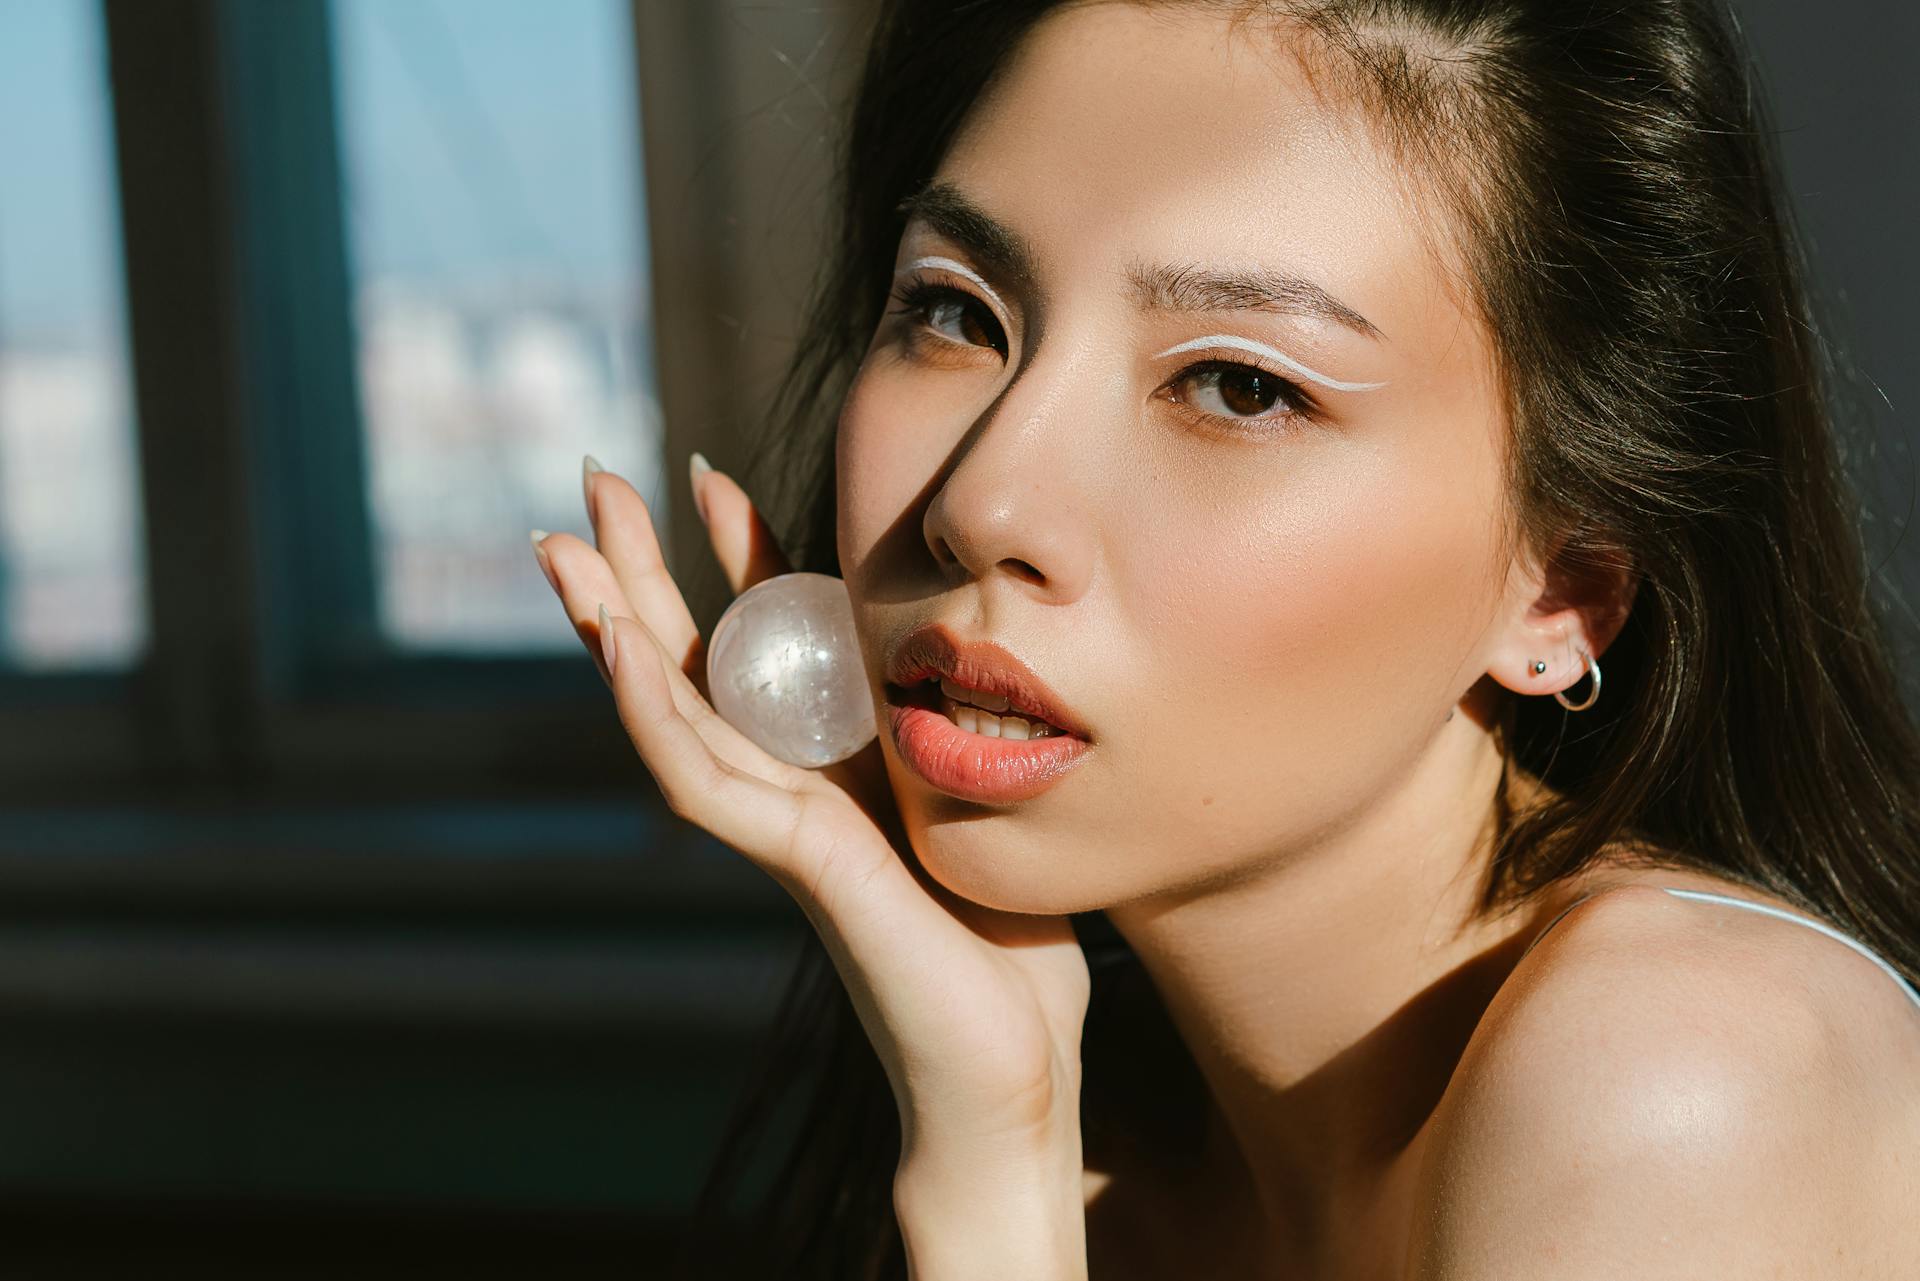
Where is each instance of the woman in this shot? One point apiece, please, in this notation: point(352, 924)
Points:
point(1288, 406)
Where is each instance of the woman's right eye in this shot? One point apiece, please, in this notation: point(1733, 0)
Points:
point(956, 316)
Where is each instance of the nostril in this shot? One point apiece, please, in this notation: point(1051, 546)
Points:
point(1024, 570)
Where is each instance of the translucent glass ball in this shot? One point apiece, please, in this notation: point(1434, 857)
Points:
point(783, 667)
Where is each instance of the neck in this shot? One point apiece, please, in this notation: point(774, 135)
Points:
point(1326, 1001)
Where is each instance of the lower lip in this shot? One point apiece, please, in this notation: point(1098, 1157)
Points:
point(974, 767)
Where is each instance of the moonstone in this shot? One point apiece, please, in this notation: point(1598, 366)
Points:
point(783, 668)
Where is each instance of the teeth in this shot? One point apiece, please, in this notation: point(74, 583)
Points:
point(961, 694)
point(976, 721)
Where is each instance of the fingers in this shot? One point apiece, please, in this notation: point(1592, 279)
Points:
point(582, 579)
point(586, 584)
point(724, 739)
point(743, 542)
point(623, 530)
point(750, 813)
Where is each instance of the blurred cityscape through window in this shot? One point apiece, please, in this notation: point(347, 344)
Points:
point(491, 173)
point(72, 579)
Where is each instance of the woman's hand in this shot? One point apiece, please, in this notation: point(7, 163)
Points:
point(976, 1014)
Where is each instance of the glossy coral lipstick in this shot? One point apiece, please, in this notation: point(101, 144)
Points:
point(974, 766)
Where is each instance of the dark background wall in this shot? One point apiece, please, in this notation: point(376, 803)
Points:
point(1849, 117)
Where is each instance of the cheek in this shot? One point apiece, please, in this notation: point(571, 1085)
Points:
point(1309, 628)
point(867, 473)
point(887, 450)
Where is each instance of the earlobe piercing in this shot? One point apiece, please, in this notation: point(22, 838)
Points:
point(1593, 670)
point(1560, 696)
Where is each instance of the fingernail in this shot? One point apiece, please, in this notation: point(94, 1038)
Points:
point(540, 554)
point(607, 648)
point(588, 465)
point(697, 466)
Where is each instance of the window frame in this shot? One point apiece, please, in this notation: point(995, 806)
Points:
point(265, 674)
point(237, 791)
point(230, 792)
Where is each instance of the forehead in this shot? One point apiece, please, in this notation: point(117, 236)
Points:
point(1129, 132)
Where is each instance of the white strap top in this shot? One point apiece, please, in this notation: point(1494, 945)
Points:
point(1707, 896)
point(1809, 922)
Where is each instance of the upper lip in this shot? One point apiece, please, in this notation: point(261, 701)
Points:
point(932, 650)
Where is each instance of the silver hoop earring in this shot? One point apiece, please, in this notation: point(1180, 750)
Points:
point(1560, 695)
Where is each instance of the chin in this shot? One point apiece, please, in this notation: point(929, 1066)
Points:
point(1007, 876)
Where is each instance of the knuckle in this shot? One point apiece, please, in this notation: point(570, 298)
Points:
point(715, 778)
point(696, 789)
point(676, 799)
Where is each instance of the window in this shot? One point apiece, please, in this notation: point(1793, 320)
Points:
point(327, 841)
point(388, 282)
point(72, 593)
point(496, 234)
point(390, 270)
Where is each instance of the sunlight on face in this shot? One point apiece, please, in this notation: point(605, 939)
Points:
point(1257, 551)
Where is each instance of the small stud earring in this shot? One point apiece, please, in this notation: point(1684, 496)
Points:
point(1539, 665)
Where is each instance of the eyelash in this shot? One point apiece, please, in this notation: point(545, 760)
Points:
point(918, 296)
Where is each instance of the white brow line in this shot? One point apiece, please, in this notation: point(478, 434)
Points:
point(1212, 340)
point(959, 269)
point(1247, 344)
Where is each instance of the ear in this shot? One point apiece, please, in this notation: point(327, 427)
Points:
point(1559, 611)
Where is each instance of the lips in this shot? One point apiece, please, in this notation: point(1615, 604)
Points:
point(977, 767)
point(932, 651)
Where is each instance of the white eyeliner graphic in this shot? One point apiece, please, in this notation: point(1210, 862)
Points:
point(960, 269)
point(1247, 344)
point(1211, 340)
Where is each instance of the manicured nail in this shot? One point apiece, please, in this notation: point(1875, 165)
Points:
point(698, 466)
point(588, 465)
point(607, 647)
point(540, 554)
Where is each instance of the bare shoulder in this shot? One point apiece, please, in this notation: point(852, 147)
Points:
point(1672, 1088)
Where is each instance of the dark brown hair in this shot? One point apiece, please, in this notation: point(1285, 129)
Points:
point(1614, 206)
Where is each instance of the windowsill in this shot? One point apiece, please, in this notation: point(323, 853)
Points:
point(534, 913)
point(717, 987)
point(441, 859)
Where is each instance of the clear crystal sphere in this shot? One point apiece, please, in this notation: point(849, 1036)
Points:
point(783, 667)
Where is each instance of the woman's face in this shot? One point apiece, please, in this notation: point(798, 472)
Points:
point(1261, 593)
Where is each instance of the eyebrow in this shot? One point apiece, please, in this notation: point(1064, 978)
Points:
point(1153, 287)
point(1190, 287)
point(953, 214)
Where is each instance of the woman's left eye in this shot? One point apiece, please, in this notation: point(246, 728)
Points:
point(1227, 389)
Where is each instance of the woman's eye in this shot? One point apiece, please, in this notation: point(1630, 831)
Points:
point(953, 315)
point(966, 326)
point(1241, 391)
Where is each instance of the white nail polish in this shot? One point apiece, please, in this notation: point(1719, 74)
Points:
point(698, 466)
point(607, 649)
point(588, 465)
point(540, 554)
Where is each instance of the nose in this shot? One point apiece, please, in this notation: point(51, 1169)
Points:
point(1018, 499)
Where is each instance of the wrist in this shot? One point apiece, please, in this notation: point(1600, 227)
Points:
point(993, 1208)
